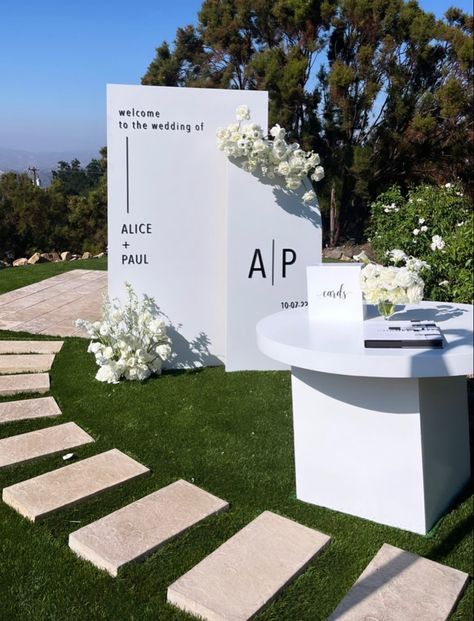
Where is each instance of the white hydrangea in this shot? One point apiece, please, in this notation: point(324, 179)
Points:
point(274, 158)
point(130, 342)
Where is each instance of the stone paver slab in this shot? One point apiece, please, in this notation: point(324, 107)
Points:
point(140, 528)
point(30, 347)
point(40, 443)
point(17, 384)
point(39, 497)
point(239, 578)
point(398, 585)
point(26, 409)
point(25, 363)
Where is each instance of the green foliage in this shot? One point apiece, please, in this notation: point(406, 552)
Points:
point(71, 214)
point(398, 221)
point(381, 89)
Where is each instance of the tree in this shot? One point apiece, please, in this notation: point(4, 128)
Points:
point(381, 89)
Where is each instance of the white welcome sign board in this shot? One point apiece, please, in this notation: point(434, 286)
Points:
point(178, 233)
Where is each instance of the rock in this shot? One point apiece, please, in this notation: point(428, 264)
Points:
point(44, 256)
point(332, 253)
point(19, 262)
point(4, 264)
point(36, 258)
point(51, 256)
point(87, 255)
point(344, 257)
point(100, 255)
point(65, 256)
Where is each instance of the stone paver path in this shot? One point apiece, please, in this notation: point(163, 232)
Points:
point(39, 497)
point(399, 586)
point(140, 528)
point(246, 572)
point(25, 363)
point(51, 306)
point(28, 446)
point(27, 409)
point(29, 382)
point(30, 347)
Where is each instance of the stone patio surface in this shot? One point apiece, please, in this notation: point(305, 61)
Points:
point(51, 306)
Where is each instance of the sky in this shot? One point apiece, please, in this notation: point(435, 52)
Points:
point(57, 56)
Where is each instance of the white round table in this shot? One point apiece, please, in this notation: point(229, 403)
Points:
point(379, 433)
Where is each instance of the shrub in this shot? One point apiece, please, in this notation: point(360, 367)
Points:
point(434, 224)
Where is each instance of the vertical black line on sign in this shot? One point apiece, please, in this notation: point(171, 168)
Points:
point(273, 262)
point(126, 166)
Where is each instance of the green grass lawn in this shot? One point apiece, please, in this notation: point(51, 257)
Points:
point(229, 433)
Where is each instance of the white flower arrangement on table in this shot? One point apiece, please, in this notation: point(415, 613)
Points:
point(130, 341)
point(387, 286)
point(273, 158)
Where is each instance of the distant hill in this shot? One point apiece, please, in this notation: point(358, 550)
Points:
point(45, 162)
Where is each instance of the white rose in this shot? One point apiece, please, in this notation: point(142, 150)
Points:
point(163, 351)
point(108, 352)
point(242, 113)
point(277, 132)
point(415, 294)
point(259, 146)
point(283, 168)
point(437, 243)
point(293, 183)
point(416, 232)
point(404, 278)
point(107, 374)
point(396, 255)
point(94, 347)
point(318, 173)
point(309, 196)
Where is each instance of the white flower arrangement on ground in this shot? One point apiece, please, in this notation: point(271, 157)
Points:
point(130, 341)
point(387, 286)
point(273, 158)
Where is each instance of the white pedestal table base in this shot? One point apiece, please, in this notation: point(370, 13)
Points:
point(395, 451)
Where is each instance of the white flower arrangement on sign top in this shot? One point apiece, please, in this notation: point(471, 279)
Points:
point(388, 286)
point(273, 158)
point(130, 341)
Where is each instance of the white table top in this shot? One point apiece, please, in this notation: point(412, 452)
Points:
point(333, 347)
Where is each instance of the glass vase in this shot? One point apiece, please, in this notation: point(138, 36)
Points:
point(386, 309)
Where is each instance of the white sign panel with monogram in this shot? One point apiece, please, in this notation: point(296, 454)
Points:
point(272, 237)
